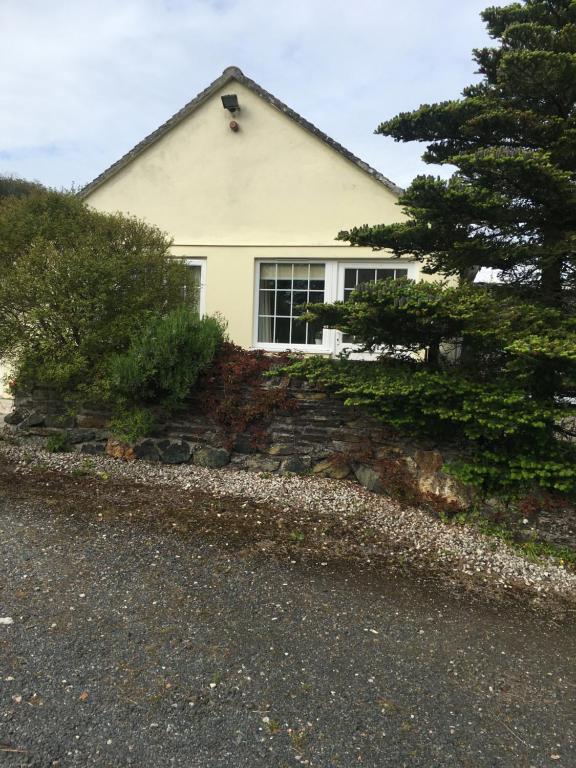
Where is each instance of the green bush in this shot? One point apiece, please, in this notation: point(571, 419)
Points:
point(131, 424)
point(497, 380)
point(76, 285)
point(165, 358)
point(506, 437)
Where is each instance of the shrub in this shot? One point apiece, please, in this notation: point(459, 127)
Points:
point(165, 358)
point(76, 285)
point(233, 392)
point(131, 424)
point(506, 437)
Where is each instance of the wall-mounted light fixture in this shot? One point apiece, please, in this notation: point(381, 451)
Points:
point(230, 102)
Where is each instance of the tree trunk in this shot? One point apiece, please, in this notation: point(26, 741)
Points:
point(552, 282)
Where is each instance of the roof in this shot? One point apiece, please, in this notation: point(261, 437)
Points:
point(234, 73)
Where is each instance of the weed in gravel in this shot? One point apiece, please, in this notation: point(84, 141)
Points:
point(59, 442)
point(273, 726)
point(85, 468)
point(298, 739)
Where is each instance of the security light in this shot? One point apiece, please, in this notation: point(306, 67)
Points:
point(230, 102)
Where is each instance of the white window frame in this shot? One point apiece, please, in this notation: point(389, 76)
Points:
point(202, 264)
point(412, 274)
point(330, 283)
point(333, 291)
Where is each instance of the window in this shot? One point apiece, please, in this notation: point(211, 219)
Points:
point(283, 290)
point(193, 288)
point(355, 276)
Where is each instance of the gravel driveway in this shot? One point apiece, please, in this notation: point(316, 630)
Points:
point(140, 640)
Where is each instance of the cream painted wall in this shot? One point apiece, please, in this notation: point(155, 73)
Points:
point(271, 190)
point(231, 272)
point(5, 396)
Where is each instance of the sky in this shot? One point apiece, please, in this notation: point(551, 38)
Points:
point(83, 81)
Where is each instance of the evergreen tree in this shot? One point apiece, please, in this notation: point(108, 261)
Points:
point(511, 204)
point(499, 376)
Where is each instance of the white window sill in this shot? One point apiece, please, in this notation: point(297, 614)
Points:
point(307, 348)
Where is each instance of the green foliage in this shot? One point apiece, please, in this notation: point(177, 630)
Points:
point(130, 424)
point(511, 204)
point(165, 358)
point(484, 329)
point(76, 285)
point(500, 368)
point(59, 442)
point(12, 186)
point(507, 438)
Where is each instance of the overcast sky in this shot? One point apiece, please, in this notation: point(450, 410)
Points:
point(82, 81)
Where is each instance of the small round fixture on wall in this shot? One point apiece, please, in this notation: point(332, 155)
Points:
point(234, 126)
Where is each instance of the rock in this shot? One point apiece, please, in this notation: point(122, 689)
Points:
point(92, 449)
point(295, 465)
point(243, 444)
point(312, 396)
point(60, 421)
point(259, 463)
point(212, 458)
point(335, 469)
point(16, 416)
point(176, 453)
point(91, 421)
point(281, 449)
point(369, 478)
point(147, 451)
point(429, 462)
point(80, 435)
point(33, 419)
point(120, 450)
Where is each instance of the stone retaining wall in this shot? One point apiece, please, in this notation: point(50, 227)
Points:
point(319, 435)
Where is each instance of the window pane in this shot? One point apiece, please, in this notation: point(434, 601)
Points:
point(316, 297)
point(317, 271)
point(266, 303)
point(315, 333)
point(299, 298)
point(347, 293)
point(266, 329)
point(298, 332)
point(267, 275)
point(282, 334)
point(350, 278)
point(401, 273)
point(385, 274)
point(284, 271)
point(191, 287)
point(301, 271)
point(268, 271)
point(283, 304)
point(366, 276)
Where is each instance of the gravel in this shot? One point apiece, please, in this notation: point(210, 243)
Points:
point(135, 643)
point(408, 536)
